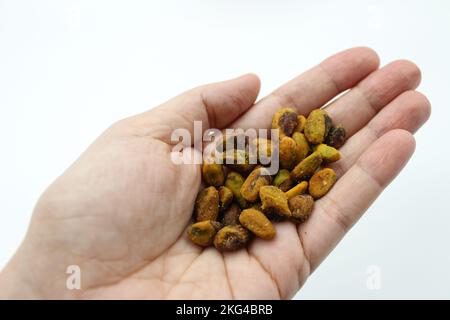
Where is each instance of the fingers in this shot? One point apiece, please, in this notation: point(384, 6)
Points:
point(313, 88)
point(353, 193)
point(249, 277)
point(215, 105)
point(409, 111)
point(354, 109)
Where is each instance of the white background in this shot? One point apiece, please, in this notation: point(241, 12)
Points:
point(68, 69)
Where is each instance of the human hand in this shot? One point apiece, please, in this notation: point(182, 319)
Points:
point(121, 210)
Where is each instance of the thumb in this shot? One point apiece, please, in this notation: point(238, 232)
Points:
point(216, 105)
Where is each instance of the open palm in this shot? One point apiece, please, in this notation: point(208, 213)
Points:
point(121, 210)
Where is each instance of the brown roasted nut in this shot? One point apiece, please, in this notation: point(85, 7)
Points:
point(289, 153)
point(321, 182)
point(207, 205)
point(298, 189)
point(328, 154)
point(234, 182)
point(257, 223)
point(231, 238)
point(285, 119)
point(202, 233)
point(213, 173)
point(255, 180)
point(283, 180)
point(301, 124)
point(301, 207)
point(302, 144)
point(225, 198)
point(274, 201)
point(238, 160)
point(231, 215)
point(336, 137)
point(317, 126)
point(307, 167)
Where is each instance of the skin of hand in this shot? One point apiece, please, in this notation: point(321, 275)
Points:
point(121, 210)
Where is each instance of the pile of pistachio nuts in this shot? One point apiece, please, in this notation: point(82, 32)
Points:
point(241, 200)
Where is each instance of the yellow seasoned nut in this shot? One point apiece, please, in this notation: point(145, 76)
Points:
point(274, 201)
point(233, 141)
point(302, 144)
point(336, 136)
point(298, 189)
point(283, 180)
point(207, 204)
point(213, 173)
point(301, 123)
point(235, 157)
point(255, 180)
point(328, 154)
point(234, 182)
point(257, 223)
point(263, 147)
point(202, 233)
point(289, 153)
point(231, 215)
point(321, 182)
point(225, 198)
point(231, 238)
point(238, 160)
point(301, 207)
point(285, 119)
point(317, 126)
point(307, 167)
